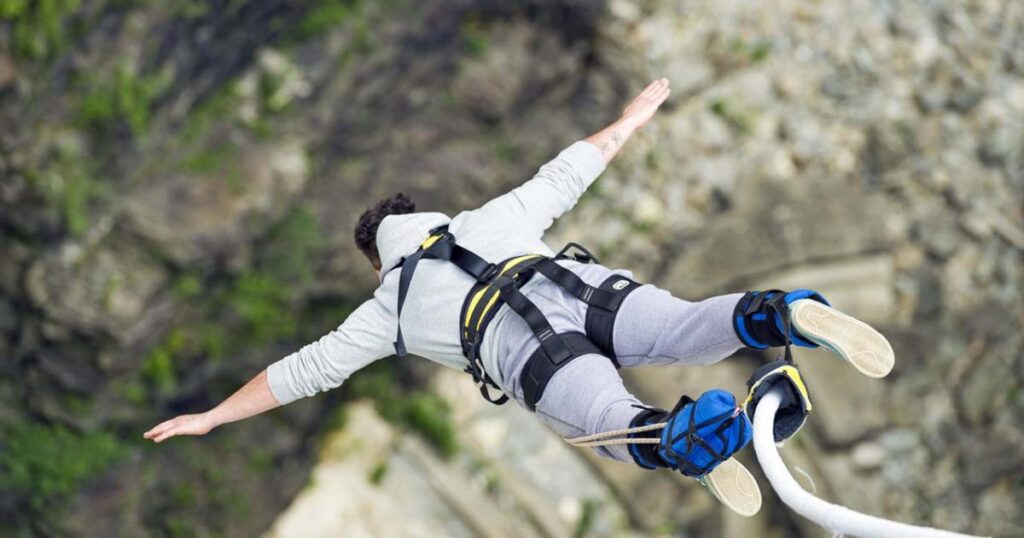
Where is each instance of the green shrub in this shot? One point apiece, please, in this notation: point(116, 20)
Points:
point(158, 367)
point(291, 248)
point(261, 302)
point(75, 196)
point(586, 521)
point(125, 99)
point(69, 188)
point(736, 118)
point(321, 17)
point(419, 411)
point(38, 28)
point(47, 463)
point(430, 416)
point(187, 286)
point(219, 105)
point(474, 36)
point(378, 473)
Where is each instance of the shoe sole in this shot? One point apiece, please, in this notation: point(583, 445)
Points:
point(857, 342)
point(733, 485)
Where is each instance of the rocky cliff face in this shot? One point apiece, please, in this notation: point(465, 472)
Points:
point(179, 183)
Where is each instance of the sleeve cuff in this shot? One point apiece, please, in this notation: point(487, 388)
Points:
point(277, 381)
point(585, 158)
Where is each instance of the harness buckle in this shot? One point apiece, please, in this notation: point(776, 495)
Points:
point(490, 273)
point(583, 256)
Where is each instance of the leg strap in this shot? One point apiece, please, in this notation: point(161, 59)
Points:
point(541, 367)
point(600, 324)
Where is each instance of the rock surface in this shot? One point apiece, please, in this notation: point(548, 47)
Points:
point(176, 208)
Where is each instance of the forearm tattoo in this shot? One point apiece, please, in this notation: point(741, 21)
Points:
point(612, 144)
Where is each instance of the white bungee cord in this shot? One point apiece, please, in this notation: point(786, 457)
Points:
point(840, 520)
point(837, 519)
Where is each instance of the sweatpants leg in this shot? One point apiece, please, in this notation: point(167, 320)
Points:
point(653, 327)
point(586, 397)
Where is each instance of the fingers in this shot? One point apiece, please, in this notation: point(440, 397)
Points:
point(164, 430)
point(159, 429)
point(656, 88)
point(166, 435)
point(661, 89)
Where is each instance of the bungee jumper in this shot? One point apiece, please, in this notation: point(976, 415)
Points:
point(481, 292)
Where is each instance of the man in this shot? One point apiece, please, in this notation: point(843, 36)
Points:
point(550, 331)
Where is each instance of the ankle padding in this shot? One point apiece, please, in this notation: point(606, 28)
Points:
point(758, 317)
point(646, 455)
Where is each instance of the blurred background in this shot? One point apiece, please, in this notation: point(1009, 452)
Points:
point(179, 181)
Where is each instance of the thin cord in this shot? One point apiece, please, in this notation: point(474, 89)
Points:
point(578, 442)
point(622, 441)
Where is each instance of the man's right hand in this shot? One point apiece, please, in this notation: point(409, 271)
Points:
point(642, 108)
point(638, 112)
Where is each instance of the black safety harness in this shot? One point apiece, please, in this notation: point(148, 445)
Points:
point(500, 283)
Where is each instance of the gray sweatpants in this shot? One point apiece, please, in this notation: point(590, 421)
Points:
point(652, 327)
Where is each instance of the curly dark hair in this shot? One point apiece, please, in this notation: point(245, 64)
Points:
point(366, 228)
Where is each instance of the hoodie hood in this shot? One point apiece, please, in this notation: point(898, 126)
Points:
point(400, 235)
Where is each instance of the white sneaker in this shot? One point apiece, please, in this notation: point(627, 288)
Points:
point(733, 485)
point(853, 340)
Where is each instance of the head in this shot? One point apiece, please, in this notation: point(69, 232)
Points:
point(369, 221)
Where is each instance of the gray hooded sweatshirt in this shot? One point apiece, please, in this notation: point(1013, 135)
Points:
point(510, 225)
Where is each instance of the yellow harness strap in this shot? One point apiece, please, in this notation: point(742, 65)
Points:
point(475, 301)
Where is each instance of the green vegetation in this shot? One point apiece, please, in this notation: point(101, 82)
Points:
point(586, 521)
point(38, 27)
point(251, 310)
point(124, 99)
point(44, 464)
point(291, 248)
point(188, 286)
point(737, 119)
point(217, 160)
point(69, 188)
point(750, 52)
point(378, 473)
point(261, 303)
point(78, 189)
point(204, 114)
point(189, 9)
point(474, 36)
point(321, 17)
point(158, 367)
point(416, 410)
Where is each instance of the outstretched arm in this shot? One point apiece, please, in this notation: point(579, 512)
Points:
point(364, 337)
point(558, 185)
point(634, 116)
point(252, 399)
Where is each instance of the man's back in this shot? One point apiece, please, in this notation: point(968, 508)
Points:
point(509, 225)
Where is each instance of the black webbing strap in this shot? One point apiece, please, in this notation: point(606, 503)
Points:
point(540, 367)
point(442, 247)
point(475, 368)
point(552, 344)
point(404, 280)
point(693, 440)
point(575, 285)
point(765, 330)
point(600, 323)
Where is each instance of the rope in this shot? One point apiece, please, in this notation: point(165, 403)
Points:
point(623, 441)
point(615, 433)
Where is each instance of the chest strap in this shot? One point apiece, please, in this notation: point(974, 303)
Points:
point(439, 246)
